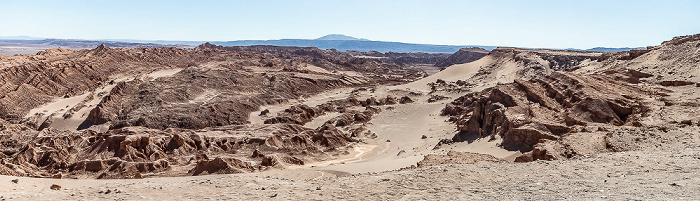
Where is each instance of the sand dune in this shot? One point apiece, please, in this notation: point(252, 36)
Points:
point(451, 73)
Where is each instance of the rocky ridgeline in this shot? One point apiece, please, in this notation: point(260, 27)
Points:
point(505, 64)
point(331, 60)
point(198, 98)
point(131, 151)
point(29, 81)
point(464, 55)
point(404, 58)
point(674, 60)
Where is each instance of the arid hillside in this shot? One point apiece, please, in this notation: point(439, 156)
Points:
point(112, 113)
point(635, 100)
point(300, 122)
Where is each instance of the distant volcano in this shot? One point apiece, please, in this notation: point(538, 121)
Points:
point(339, 37)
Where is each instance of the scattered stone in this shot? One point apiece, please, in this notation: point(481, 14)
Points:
point(436, 98)
point(676, 83)
point(55, 187)
point(257, 153)
point(405, 100)
point(401, 153)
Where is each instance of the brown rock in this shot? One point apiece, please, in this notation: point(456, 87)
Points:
point(256, 154)
point(220, 166)
point(405, 100)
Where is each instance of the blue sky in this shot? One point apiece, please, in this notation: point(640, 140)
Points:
point(546, 24)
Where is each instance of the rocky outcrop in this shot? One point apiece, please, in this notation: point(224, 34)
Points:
point(221, 166)
point(436, 98)
point(525, 113)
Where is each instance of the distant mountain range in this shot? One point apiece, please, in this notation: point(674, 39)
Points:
point(20, 38)
point(333, 41)
point(342, 43)
point(609, 49)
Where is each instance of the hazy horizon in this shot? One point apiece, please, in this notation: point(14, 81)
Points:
point(536, 24)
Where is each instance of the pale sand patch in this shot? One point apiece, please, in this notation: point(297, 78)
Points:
point(358, 152)
point(57, 105)
point(320, 120)
point(317, 69)
point(206, 96)
point(399, 143)
point(61, 106)
point(403, 127)
point(399, 130)
point(162, 73)
point(349, 73)
point(483, 146)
